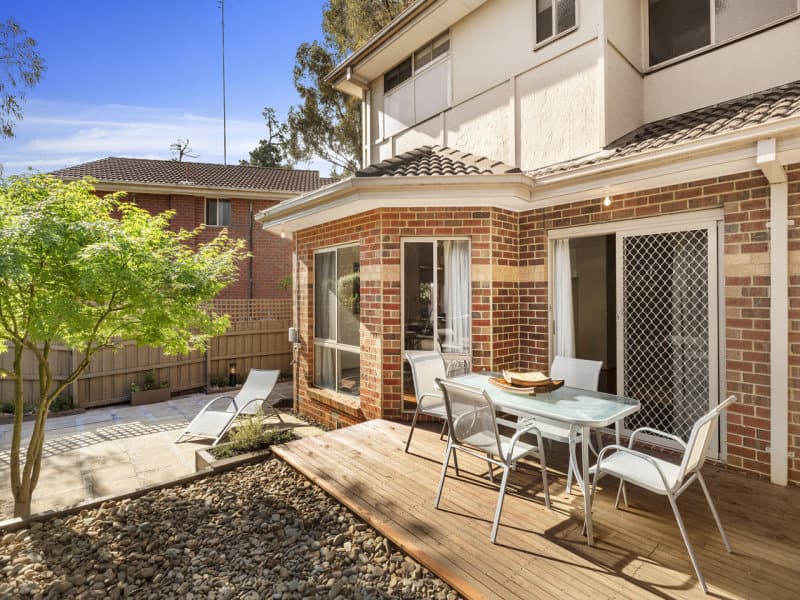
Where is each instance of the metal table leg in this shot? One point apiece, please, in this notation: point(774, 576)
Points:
point(582, 474)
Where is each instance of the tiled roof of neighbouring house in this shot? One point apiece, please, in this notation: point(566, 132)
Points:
point(768, 105)
point(170, 172)
point(435, 160)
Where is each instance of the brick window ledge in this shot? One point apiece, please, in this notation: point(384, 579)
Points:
point(341, 403)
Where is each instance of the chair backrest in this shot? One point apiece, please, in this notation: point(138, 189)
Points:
point(577, 372)
point(257, 386)
point(470, 417)
point(699, 439)
point(426, 367)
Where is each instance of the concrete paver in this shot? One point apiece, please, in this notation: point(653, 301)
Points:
point(113, 450)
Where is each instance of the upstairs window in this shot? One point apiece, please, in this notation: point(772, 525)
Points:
point(427, 91)
point(554, 17)
point(218, 212)
point(679, 27)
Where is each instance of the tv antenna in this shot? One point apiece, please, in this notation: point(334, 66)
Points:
point(221, 4)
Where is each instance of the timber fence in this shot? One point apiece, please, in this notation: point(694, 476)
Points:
point(257, 338)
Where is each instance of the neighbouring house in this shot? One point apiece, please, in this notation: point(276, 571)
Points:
point(614, 178)
point(217, 196)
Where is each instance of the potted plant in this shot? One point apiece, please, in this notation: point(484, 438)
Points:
point(150, 392)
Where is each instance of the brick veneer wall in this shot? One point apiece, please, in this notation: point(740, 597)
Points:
point(510, 288)
point(272, 256)
point(492, 235)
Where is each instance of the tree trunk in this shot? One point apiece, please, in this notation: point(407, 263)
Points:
point(22, 508)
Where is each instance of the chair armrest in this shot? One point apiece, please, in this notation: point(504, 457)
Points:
point(635, 453)
point(529, 428)
point(658, 432)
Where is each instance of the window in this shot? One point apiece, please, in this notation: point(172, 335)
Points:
point(678, 27)
point(428, 91)
point(554, 17)
point(337, 300)
point(437, 292)
point(218, 212)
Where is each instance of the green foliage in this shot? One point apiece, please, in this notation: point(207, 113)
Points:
point(149, 383)
point(218, 380)
point(271, 152)
point(7, 407)
point(21, 67)
point(89, 272)
point(327, 123)
point(250, 436)
point(285, 282)
point(63, 402)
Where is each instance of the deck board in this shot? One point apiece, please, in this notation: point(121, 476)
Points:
point(542, 554)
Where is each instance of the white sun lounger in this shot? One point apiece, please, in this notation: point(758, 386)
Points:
point(216, 417)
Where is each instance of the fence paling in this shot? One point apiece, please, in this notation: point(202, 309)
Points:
point(249, 343)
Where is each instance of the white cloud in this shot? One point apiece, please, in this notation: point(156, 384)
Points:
point(54, 135)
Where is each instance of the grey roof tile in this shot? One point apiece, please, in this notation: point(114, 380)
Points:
point(435, 160)
point(755, 109)
point(170, 172)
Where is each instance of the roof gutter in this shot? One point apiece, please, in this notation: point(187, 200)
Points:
point(199, 190)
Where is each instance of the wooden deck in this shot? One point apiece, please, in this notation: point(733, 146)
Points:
point(540, 553)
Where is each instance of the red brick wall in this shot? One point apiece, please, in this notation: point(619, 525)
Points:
point(272, 256)
point(509, 296)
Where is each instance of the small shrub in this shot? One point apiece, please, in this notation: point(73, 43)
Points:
point(251, 436)
point(7, 407)
point(63, 402)
point(218, 380)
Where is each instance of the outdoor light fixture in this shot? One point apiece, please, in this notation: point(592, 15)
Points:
point(232, 374)
point(607, 201)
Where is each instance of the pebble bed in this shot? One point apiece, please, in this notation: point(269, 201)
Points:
point(260, 531)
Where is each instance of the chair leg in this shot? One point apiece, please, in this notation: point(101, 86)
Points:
point(499, 509)
point(413, 425)
point(545, 484)
point(714, 512)
point(455, 463)
point(491, 468)
point(685, 536)
point(444, 428)
point(444, 474)
point(570, 475)
point(619, 493)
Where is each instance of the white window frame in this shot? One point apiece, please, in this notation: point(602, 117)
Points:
point(415, 72)
point(326, 342)
point(712, 36)
point(219, 212)
point(555, 36)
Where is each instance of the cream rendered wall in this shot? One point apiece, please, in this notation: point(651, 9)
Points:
point(559, 113)
point(754, 63)
point(492, 50)
point(624, 83)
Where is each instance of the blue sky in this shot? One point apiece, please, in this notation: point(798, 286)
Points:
point(126, 78)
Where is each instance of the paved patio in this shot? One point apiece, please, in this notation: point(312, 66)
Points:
point(112, 450)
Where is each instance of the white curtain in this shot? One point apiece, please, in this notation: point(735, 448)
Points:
point(456, 300)
point(564, 324)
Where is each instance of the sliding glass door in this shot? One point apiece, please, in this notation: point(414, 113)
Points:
point(436, 296)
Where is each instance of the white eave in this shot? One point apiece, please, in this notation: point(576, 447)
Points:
point(715, 156)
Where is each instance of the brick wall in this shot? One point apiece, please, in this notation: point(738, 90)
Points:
point(510, 289)
point(272, 256)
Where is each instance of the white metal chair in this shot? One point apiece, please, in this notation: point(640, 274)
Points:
point(578, 373)
point(216, 417)
point(663, 477)
point(473, 429)
point(426, 367)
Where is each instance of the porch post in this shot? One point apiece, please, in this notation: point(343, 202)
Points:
point(768, 162)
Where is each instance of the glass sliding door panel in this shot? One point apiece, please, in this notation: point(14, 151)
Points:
point(453, 296)
point(348, 294)
point(418, 308)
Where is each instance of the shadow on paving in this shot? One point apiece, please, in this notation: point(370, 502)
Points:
point(68, 443)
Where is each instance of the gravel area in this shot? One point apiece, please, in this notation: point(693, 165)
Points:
point(260, 531)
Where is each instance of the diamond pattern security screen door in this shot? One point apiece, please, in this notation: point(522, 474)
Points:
point(667, 333)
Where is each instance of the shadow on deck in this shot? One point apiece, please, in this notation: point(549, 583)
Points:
point(638, 552)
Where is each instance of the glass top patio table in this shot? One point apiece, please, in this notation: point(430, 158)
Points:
point(570, 405)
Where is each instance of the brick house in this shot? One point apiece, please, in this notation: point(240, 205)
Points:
point(217, 196)
point(643, 167)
